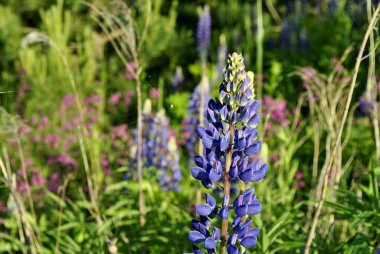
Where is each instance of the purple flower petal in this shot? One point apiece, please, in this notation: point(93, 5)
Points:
point(241, 210)
point(224, 212)
point(224, 142)
point(232, 239)
point(214, 175)
point(207, 183)
point(254, 106)
point(199, 173)
point(211, 116)
point(233, 172)
point(246, 175)
point(196, 237)
point(210, 243)
point(253, 149)
point(232, 250)
point(258, 175)
point(244, 116)
point(224, 113)
point(249, 242)
point(210, 200)
point(204, 209)
point(254, 208)
point(254, 121)
point(207, 141)
point(253, 232)
point(216, 233)
point(197, 225)
point(201, 132)
point(200, 161)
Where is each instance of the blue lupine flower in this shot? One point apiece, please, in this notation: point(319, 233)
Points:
point(204, 33)
point(243, 235)
point(230, 141)
point(167, 158)
point(201, 234)
point(159, 150)
point(148, 144)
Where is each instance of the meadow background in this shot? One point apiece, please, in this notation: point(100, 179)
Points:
point(80, 80)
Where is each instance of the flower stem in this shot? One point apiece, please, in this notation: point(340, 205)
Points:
point(139, 149)
point(227, 186)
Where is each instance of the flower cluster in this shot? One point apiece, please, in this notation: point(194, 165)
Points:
point(231, 142)
point(159, 149)
point(277, 111)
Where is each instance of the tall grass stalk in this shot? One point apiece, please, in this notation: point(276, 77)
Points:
point(326, 95)
point(127, 44)
point(59, 227)
point(371, 85)
point(336, 148)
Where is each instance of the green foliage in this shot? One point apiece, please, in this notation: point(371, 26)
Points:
point(56, 48)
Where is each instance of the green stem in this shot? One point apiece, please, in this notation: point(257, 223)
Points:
point(227, 185)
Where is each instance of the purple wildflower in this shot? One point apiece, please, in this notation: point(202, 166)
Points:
point(130, 69)
point(204, 33)
point(277, 111)
point(128, 97)
point(159, 149)
point(51, 141)
point(115, 98)
point(231, 142)
point(154, 93)
point(37, 178)
point(67, 102)
point(53, 182)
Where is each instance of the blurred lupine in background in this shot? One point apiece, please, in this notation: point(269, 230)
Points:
point(204, 34)
point(159, 150)
point(230, 142)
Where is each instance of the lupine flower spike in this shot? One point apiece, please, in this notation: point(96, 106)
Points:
point(231, 142)
point(204, 33)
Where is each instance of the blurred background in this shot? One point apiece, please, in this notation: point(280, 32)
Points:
point(76, 75)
